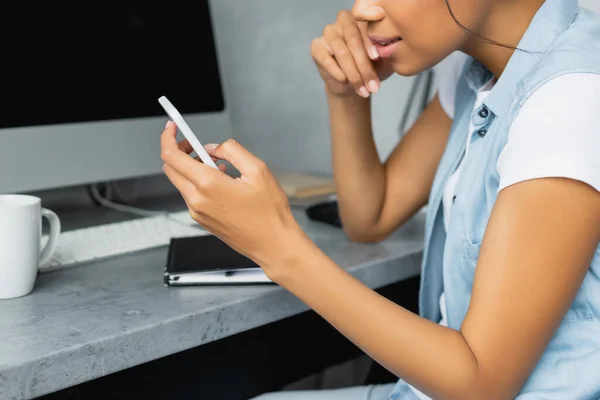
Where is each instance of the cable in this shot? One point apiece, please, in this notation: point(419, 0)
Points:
point(114, 186)
point(106, 202)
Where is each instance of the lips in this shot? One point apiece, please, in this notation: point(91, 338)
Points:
point(386, 42)
point(386, 46)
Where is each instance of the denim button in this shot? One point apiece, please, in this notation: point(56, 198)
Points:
point(482, 132)
point(484, 112)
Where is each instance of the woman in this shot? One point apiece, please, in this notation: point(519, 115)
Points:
point(505, 158)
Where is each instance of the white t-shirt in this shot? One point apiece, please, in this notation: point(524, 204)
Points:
point(555, 134)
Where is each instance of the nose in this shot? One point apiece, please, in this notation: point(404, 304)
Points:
point(367, 10)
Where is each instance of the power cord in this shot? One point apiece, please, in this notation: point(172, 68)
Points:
point(108, 203)
point(115, 186)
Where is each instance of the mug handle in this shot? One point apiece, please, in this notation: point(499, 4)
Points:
point(52, 237)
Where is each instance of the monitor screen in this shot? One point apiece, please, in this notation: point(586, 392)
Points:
point(81, 61)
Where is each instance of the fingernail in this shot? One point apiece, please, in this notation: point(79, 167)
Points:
point(373, 86)
point(211, 146)
point(168, 124)
point(373, 53)
point(364, 92)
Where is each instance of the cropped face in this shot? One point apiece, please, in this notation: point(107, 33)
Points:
point(414, 35)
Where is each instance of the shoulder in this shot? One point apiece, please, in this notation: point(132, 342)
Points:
point(575, 49)
point(448, 73)
point(556, 133)
point(572, 99)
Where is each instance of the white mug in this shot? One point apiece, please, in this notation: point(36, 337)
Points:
point(20, 242)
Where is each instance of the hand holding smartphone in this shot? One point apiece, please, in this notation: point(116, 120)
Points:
point(187, 131)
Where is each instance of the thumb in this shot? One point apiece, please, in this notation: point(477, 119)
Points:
point(233, 152)
point(210, 147)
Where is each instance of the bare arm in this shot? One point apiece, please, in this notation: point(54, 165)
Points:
point(536, 226)
point(537, 248)
point(376, 198)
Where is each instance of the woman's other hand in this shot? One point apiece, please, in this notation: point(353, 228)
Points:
point(347, 60)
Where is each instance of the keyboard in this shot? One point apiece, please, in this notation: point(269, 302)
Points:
point(95, 243)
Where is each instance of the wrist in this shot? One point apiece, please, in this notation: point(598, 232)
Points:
point(349, 97)
point(289, 254)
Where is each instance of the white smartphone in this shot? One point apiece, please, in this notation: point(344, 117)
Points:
point(187, 131)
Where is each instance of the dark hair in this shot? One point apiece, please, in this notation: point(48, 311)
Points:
point(470, 32)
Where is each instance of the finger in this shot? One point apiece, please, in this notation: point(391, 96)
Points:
point(183, 185)
point(371, 48)
point(222, 167)
point(197, 158)
point(167, 138)
point(326, 46)
point(198, 173)
point(345, 60)
point(233, 152)
point(322, 54)
point(210, 147)
point(356, 44)
point(185, 146)
point(171, 128)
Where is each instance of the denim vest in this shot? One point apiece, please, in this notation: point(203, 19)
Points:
point(561, 39)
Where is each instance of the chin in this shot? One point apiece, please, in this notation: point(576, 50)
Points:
point(408, 68)
point(413, 63)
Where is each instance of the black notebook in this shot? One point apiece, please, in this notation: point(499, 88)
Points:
point(207, 260)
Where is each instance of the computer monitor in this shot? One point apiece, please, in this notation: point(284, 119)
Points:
point(80, 82)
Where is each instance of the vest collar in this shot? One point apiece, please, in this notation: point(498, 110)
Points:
point(553, 17)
